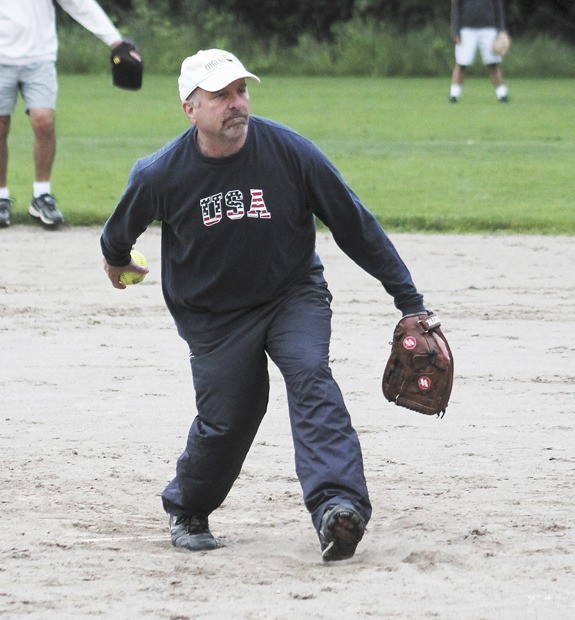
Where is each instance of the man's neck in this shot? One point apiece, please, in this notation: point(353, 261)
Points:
point(218, 149)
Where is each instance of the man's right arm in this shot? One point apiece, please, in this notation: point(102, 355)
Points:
point(91, 16)
point(132, 216)
point(455, 26)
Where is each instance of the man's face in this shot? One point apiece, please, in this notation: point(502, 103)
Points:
point(221, 117)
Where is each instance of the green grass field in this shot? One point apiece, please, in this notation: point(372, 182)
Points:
point(418, 162)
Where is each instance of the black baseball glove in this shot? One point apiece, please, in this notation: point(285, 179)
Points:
point(127, 66)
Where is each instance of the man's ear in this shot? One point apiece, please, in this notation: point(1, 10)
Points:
point(189, 110)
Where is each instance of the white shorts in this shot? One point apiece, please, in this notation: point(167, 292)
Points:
point(473, 39)
point(37, 84)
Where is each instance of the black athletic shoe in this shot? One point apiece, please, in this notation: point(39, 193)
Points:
point(192, 532)
point(44, 208)
point(341, 530)
point(453, 99)
point(5, 209)
point(503, 99)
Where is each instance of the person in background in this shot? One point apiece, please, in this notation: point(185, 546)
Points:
point(474, 26)
point(28, 53)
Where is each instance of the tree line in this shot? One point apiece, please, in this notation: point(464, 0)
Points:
point(287, 20)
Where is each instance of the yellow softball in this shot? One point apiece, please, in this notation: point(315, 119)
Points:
point(130, 277)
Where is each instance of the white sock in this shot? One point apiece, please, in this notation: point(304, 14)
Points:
point(42, 187)
point(501, 91)
point(4, 193)
point(456, 90)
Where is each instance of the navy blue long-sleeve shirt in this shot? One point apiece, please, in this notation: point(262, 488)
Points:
point(240, 230)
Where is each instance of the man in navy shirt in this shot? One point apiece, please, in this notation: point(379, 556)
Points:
point(237, 196)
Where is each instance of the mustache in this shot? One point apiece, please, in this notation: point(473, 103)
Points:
point(235, 115)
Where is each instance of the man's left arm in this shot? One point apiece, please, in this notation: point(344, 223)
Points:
point(419, 372)
point(499, 16)
point(358, 233)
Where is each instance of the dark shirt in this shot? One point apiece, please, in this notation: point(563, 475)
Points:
point(238, 231)
point(477, 14)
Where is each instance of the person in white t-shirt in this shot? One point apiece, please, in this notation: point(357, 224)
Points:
point(28, 53)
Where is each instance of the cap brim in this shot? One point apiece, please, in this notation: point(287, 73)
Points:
point(223, 78)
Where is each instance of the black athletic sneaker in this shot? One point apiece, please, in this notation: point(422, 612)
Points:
point(5, 208)
point(341, 530)
point(192, 532)
point(44, 208)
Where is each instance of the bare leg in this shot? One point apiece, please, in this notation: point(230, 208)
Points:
point(457, 79)
point(4, 130)
point(44, 126)
point(458, 75)
point(496, 75)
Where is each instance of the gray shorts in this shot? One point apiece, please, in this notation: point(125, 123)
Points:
point(37, 83)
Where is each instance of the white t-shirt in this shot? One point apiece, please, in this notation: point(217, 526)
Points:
point(28, 28)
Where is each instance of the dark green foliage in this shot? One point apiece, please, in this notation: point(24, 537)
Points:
point(405, 14)
point(555, 18)
point(407, 37)
point(287, 20)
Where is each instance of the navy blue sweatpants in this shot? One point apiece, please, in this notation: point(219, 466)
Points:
point(231, 382)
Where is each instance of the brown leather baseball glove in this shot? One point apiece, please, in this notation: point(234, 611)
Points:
point(419, 372)
point(502, 43)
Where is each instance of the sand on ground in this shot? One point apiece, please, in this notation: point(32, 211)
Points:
point(473, 514)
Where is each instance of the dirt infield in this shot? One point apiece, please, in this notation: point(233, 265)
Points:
point(473, 514)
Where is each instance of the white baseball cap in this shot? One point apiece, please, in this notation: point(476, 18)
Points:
point(211, 70)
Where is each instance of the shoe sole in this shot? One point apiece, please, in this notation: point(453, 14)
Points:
point(341, 531)
point(196, 542)
point(37, 214)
